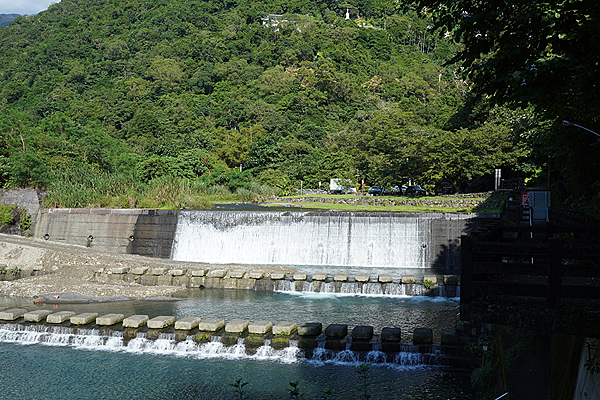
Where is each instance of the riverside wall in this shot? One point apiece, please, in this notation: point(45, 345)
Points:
point(126, 231)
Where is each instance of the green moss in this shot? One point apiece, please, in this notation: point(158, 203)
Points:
point(203, 337)
point(280, 342)
point(255, 339)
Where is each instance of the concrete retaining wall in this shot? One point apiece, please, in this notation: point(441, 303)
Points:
point(127, 231)
point(29, 199)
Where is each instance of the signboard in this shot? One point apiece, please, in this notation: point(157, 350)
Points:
point(525, 199)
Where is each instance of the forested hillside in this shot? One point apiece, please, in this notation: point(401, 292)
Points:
point(131, 92)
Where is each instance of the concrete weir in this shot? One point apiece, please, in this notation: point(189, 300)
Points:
point(311, 339)
point(353, 239)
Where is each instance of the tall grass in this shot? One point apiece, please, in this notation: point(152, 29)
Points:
point(84, 187)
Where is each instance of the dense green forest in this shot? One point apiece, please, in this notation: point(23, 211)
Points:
point(125, 97)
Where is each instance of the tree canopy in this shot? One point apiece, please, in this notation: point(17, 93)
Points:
point(283, 91)
point(540, 53)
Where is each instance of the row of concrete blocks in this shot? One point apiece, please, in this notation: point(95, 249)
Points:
point(276, 275)
point(421, 336)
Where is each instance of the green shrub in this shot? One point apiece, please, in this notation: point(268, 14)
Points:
point(25, 220)
point(5, 216)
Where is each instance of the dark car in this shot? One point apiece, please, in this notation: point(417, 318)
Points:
point(444, 188)
point(415, 190)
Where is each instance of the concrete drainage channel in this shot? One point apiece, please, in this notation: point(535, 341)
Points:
point(242, 337)
point(382, 284)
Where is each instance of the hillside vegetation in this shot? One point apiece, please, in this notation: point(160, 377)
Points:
point(113, 102)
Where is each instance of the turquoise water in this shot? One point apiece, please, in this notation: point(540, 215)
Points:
point(66, 371)
point(43, 372)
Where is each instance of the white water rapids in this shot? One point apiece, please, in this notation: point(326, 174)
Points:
point(92, 339)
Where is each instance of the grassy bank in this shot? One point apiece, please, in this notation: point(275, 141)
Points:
point(484, 202)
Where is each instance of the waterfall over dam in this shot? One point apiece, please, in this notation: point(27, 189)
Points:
point(352, 239)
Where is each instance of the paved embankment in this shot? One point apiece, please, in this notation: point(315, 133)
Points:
point(49, 267)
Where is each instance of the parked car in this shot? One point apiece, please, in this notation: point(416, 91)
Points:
point(415, 190)
point(398, 191)
point(444, 188)
point(377, 190)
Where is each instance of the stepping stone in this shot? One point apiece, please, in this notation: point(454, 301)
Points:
point(178, 272)
point(450, 280)
point(108, 319)
point(159, 271)
point(430, 278)
point(160, 322)
point(59, 317)
point(237, 326)
point(217, 273)
point(408, 279)
point(84, 318)
point(188, 323)
point(237, 274)
point(277, 275)
point(362, 278)
point(310, 329)
point(260, 327)
point(340, 277)
point(139, 270)
point(37, 315)
point(362, 333)
point(300, 276)
point(384, 278)
point(135, 321)
point(12, 314)
point(199, 272)
point(211, 324)
point(423, 336)
point(449, 337)
point(256, 274)
point(119, 270)
point(319, 276)
point(336, 331)
point(284, 328)
point(390, 335)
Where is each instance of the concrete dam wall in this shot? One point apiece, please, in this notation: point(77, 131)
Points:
point(346, 239)
point(144, 232)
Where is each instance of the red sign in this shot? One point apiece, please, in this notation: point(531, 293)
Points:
point(525, 199)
